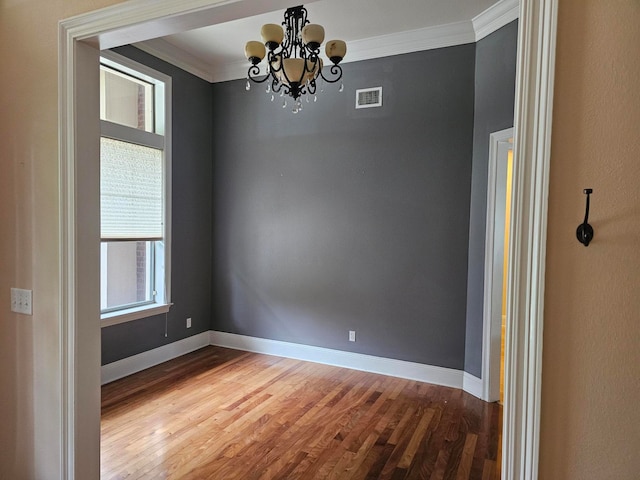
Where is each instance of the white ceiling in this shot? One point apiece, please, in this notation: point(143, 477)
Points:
point(371, 28)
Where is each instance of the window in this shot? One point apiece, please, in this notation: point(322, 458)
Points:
point(135, 194)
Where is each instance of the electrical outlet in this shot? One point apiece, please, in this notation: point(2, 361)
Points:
point(21, 301)
point(352, 335)
point(189, 322)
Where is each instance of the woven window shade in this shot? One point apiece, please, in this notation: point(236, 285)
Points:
point(131, 185)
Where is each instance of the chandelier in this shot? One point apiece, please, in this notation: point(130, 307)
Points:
point(293, 58)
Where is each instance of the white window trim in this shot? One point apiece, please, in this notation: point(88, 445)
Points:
point(134, 313)
point(131, 135)
point(161, 139)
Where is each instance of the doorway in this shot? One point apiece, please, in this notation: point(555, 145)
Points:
point(79, 285)
point(499, 190)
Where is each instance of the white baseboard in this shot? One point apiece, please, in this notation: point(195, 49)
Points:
point(447, 377)
point(473, 385)
point(127, 366)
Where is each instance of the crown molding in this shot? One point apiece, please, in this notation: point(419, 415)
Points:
point(428, 38)
point(495, 17)
point(233, 71)
point(168, 52)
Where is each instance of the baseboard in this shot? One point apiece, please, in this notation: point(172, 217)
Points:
point(387, 366)
point(447, 377)
point(473, 385)
point(127, 366)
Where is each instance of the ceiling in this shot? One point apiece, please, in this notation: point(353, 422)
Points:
point(371, 28)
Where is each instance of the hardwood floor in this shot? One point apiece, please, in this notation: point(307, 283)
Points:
point(226, 414)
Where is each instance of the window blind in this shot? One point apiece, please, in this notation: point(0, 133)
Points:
point(131, 185)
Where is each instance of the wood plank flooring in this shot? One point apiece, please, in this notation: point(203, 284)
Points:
point(226, 414)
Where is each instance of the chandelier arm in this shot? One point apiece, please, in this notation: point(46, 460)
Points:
point(336, 71)
point(253, 72)
point(275, 63)
point(276, 86)
point(313, 53)
point(312, 62)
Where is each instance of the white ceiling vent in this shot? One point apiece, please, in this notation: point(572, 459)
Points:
point(369, 97)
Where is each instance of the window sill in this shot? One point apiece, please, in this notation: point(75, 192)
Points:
point(130, 314)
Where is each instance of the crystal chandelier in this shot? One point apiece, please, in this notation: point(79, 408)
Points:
point(293, 58)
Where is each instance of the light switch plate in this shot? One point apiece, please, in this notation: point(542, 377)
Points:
point(21, 301)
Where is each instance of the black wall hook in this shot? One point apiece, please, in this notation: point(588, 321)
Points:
point(585, 231)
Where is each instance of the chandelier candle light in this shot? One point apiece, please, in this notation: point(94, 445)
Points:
point(293, 57)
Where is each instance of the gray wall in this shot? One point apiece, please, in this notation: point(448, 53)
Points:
point(338, 219)
point(191, 221)
point(494, 103)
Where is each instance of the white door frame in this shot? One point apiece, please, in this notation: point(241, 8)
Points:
point(136, 20)
point(499, 143)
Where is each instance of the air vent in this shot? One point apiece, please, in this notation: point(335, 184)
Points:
point(369, 97)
